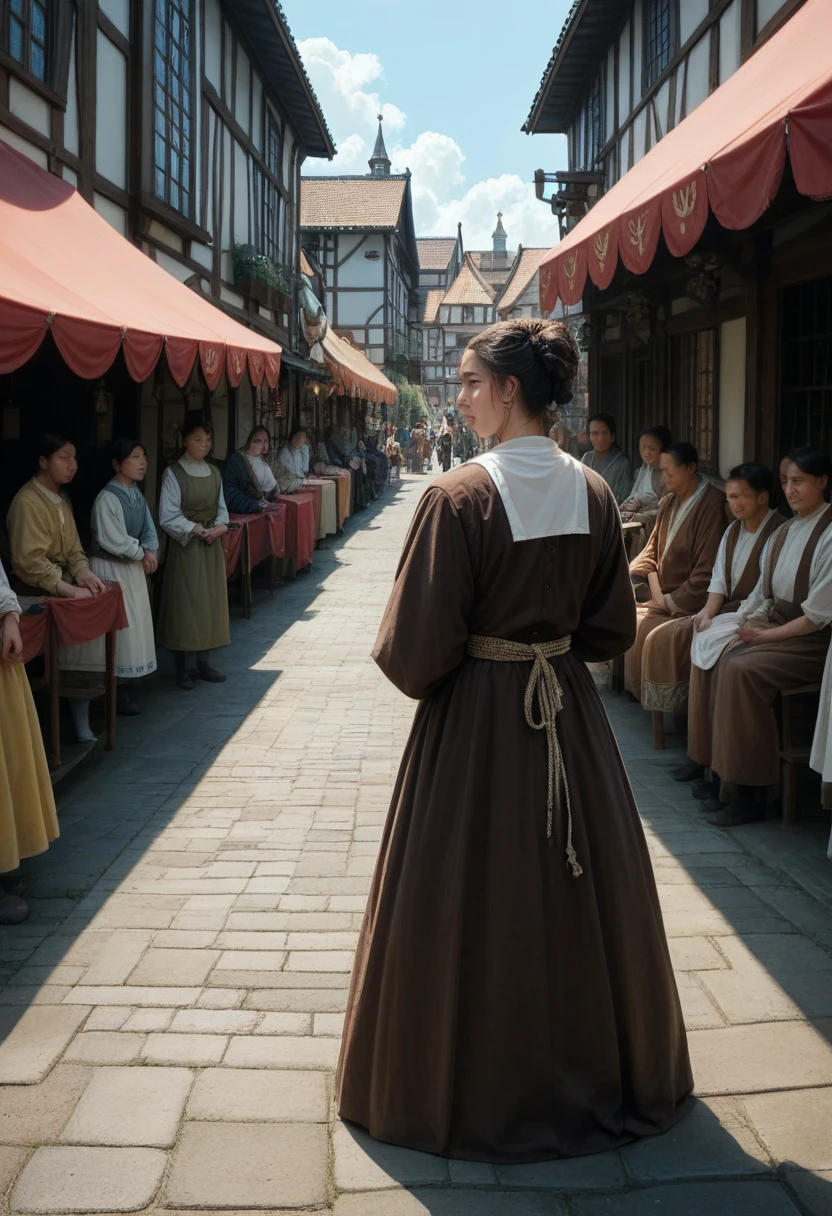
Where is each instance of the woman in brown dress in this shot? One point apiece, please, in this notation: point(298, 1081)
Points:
point(677, 565)
point(512, 998)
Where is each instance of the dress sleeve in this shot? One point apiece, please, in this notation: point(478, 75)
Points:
point(756, 605)
point(150, 539)
point(108, 525)
point(718, 585)
point(31, 541)
point(818, 604)
point(647, 562)
point(608, 619)
point(8, 599)
point(235, 482)
point(425, 627)
point(221, 516)
point(171, 519)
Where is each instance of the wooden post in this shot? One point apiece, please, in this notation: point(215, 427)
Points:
point(246, 572)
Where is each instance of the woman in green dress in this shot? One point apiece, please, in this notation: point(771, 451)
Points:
point(193, 617)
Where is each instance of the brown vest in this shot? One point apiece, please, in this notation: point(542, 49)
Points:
point(747, 581)
point(790, 610)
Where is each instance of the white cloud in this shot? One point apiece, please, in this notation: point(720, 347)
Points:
point(440, 199)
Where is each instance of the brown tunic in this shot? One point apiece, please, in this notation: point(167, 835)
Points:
point(745, 747)
point(501, 1009)
point(684, 568)
point(665, 663)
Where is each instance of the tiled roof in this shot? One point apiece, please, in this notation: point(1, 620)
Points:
point(469, 287)
point(525, 268)
point(570, 17)
point(351, 202)
point(435, 252)
point(430, 309)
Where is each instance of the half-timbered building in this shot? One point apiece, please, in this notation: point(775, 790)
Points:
point(360, 231)
point(185, 123)
point(693, 228)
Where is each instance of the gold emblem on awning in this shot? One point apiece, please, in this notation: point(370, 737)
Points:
point(602, 248)
point(684, 204)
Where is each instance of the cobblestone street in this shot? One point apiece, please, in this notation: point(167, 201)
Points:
point(174, 1004)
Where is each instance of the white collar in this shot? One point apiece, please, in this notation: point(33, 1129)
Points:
point(543, 490)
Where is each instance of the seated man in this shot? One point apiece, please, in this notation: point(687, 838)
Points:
point(677, 564)
point(739, 562)
point(606, 457)
point(778, 641)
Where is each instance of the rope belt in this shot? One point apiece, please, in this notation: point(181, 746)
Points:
point(545, 685)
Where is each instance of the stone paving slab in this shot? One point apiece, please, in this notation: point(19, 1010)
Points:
point(180, 988)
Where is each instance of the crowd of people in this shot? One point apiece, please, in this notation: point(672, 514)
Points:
point(735, 605)
point(47, 558)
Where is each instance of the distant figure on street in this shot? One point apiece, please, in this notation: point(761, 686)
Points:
point(513, 998)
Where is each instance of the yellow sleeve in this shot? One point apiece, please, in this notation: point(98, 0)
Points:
point(32, 544)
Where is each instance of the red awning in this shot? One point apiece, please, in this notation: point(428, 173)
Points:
point(728, 155)
point(65, 268)
point(353, 373)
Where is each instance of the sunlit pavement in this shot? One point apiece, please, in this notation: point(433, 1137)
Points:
point(174, 1004)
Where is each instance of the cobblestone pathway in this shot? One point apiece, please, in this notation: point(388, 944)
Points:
point(174, 1005)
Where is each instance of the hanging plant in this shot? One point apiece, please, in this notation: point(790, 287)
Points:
point(249, 265)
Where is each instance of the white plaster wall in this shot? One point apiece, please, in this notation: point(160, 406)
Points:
point(663, 108)
point(257, 114)
point(699, 65)
point(691, 14)
point(766, 9)
point(225, 225)
point(119, 13)
point(639, 131)
point(23, 145)
point(731, 394)
point(288, 146)
point(29, 106)
point(173, 267)
point(226, 68)
point(359, 271)
point(213, 43)
point(355, 307)
point(624, 74)
point(610, 95)
point(241, 101)
point(70, 176)
point(111, 112)
point(729, 41)
point(115, 216)
point(71, 115)
point(202, 254)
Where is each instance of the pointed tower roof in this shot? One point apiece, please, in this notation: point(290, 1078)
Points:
point(499, 236)
point(380, 161)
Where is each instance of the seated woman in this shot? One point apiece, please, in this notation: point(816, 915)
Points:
point(677, 564)
point(778, 641)
point(606, 457)
point(293, 462)
point(47, 559)
point(125, 550)
point(739, 562)
point(248, 483)
point(28, 820)
point(341, 452)
point(193, 614)
point(642, 505)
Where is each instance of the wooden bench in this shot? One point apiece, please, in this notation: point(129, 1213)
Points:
point(793, 752)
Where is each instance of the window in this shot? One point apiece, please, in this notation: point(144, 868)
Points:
point(693, 358)
point(468, 315)
point(659, 38)
point(594, 123)
point(271, 194)
point(806, 365)
point(172, 103)
point(25, 34)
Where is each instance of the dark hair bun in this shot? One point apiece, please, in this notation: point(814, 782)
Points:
point(542, 355)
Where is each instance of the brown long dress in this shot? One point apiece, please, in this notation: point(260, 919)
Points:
point(684, 567)
point(501, 1009)
point(665, 662)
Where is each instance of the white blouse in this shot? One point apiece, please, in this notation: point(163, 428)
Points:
point(818, 604)
point(296, 460)
point(170, 501)
point(742, 552)
point(260, 468)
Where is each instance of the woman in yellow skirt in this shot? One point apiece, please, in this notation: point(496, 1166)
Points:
point(28, 820)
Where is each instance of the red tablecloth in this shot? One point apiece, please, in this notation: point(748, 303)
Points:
point(276, 519)
point(33, 631)
point(301, 533)
point(318, 494)
point(77, 621)
point(232, 547)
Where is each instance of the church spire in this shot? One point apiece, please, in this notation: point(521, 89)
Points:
point(499, 236)
point(380, 161)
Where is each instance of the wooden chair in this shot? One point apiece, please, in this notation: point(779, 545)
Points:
point(792, 751)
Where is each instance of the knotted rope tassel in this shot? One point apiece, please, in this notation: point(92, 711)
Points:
point(543, 683)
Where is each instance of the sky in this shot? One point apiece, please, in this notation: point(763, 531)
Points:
point(455, 81)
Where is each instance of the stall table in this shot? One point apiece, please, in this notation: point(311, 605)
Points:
point(301, 533)
point(325, 488)
point(253, 539)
